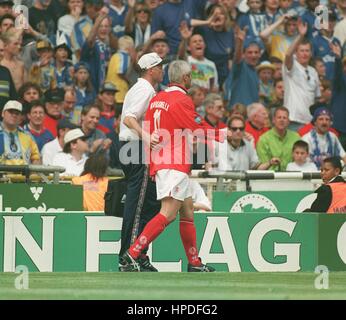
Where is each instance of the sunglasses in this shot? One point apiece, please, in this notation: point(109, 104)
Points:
point(237, 128)
point(13, 144)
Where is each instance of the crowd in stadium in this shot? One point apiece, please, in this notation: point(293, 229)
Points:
point(263, 69)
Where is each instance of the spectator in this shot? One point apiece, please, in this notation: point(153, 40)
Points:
point(6, 7)
point(331, 195)
point(42, 72)
point(232, 10)
point(271, 11)
point(16, 147)
point(237, 153)
point(277, 63)
point(95, 138)
point(323, 143)
point(278, 96)
point(8, 90)
point(73, 156)
point(85, 92)
point(198, 96)
point(107, 106)
point(301, 161)
point(6, 22)
point(119, 68)
point(320, 67)
point(277, 142)
point(339, 95)
point(94, 182)
point(238, 109)
point(300, 80)
point(114, 150)
point(242, 84)
point(67, 22)
point(137, 22)
point(96, 51)
point(62, 63)
point(117, 14)
point(309, 18)
point(54, 101)
point(214, 109)
point(153, 4)
point(55, 146)
point(70, 110)
point(340, 27)
point(265, 72)
point(83, 27)
point(29, 91)
point(326, 92)
point(257, 121)
point(12, 46)
point(35, 125)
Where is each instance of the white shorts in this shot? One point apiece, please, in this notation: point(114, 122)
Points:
point(172, 183)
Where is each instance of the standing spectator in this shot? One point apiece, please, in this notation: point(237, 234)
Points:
point(119, 67)
point(340, 27)
point(54, 101)
point(50, 149)
point(323, 143)
point(16, 147)
point(242, 84)
point(96, 51)
point(6, 7)
point(257, 121)
point(141, 205)
point(62, 63)
point(320, 67)
point(107, 106)
point(277, 63)
point(278, 97)
point(271, 11)
point(35, 125)
point(12, 46)
point(309, 18)
point(7, 90)
point(265, 72)
point(66, 23)
point(277, 142)
point(85, 92)
point(73, 155)
point(94, 182)
point(301, 81)
point(137, 22)
point(339, 95)
point(70, 110)
point(83, 27)
point(301, 160)
point(117, 14)
point(6, 22)
point(42, 72)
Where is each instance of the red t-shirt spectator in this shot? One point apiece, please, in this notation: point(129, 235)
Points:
point(256, 133)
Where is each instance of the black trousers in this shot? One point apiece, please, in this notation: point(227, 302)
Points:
point(141, 203)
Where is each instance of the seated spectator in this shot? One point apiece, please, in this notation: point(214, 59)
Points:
point(85, 92)
point(42, 72)
point(107, 106)
point(73, 155)
point(11, 60)
point(55, 146)
point(257, 121)
point(331, 195)
point(137, 22)
point(16, 146)
point(54, 101)
point(326, 92)
point(238, 109)
point(301, 160)
point(278, 96)
point(265, 72)
point(198, 95)
point(214, 110)
point(277, 143)
point(323, 143)
point(94, 182)
point(237, 153)
point(35, 125)
point(70, 110)
point(119, 67)
point(95, 138)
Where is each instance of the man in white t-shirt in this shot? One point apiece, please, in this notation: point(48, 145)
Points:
point(300, 80)
point(50, 149)
point(323, 143)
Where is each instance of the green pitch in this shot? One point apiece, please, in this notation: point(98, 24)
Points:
point(172, 286)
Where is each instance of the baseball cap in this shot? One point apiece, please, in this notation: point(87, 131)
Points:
point(72, 135)
point(54, 95)
point(108, 86)
point(81, 65)
point(13, 105)
point(319, 109)
point(43, 44)
point(149, 60)
point(265, 65)
point(65, 124)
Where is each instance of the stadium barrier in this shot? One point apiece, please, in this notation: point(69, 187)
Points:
point(230, 242)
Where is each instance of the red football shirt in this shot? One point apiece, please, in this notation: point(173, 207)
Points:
point(172, 114)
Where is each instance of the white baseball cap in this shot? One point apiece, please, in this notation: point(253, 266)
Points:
point(149, 60)
point(73, 134)
point(13, 105)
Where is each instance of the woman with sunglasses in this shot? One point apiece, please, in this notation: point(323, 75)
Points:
point(137, 22)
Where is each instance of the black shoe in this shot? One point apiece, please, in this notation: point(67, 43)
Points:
point(201, 268)
point(145, 265)
point(128, 264)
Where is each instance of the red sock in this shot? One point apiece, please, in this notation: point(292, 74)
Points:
point(188, 236)
point(151, 231)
